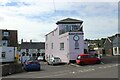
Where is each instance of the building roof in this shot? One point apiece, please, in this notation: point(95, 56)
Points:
point(7, 30)
point(32, 45)
point(111, 38)
point(69, 20)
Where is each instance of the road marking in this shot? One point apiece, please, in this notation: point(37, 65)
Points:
point(109, 66)
point(75, 65)
point(80, 71)
point(100, 67)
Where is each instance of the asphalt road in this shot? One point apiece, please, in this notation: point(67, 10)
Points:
point(108, 69)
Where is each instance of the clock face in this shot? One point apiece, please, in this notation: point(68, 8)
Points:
point(76, 38)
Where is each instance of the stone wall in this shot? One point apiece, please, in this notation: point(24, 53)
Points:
point(11, 68)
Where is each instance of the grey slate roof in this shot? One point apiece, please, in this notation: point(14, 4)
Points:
point(69, 20)
point(33, 45)
point(112, 37)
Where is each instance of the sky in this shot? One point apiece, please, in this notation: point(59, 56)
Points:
point(35, 18)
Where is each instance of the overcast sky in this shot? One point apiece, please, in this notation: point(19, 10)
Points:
point(35, 18)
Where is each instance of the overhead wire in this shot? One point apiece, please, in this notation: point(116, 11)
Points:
point(54, 5)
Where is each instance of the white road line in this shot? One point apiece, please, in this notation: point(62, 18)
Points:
point(80, 71)
point(100, 67)
point(75, 65)
point(93, 69)
point(104, 67)
point(109, 66)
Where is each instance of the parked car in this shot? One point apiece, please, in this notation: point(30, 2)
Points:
point(40, 58)
point(54, 60)
point(32, 64)
point(83, 59)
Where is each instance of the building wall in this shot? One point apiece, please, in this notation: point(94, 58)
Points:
point(13, 38)
point(69, 52)
point(52, 38)
point(74, 52)
point(0, 37)
point(10, 47)
point(108, 47)
point(116, 46)
point(10, 53)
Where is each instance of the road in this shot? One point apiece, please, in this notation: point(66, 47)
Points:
point(108, 69)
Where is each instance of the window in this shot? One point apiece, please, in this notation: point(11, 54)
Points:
point(46, 37)
point(68, 28)
point(51, 45)
point(119, 50)
point(27, 50)
point(75, 27)
point(46, 46)
point(115, 50)
point(4, 43)
point(76, 45)
point(5, 33)
point(61, 46)
point(53, 33)
point(3, 55)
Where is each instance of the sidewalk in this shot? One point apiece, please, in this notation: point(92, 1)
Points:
point(110, 59)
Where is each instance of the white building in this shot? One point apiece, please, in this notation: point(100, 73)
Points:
point(116, 45)
point(8, 45)
point(30, 49)
point(66, 41)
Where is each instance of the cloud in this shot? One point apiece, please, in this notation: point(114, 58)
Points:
point(35, 18)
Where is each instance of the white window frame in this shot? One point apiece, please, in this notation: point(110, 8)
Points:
point(62, 46)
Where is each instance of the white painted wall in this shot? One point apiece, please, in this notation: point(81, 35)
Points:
point(72, 51)
point(9, 54)
point(69, 52)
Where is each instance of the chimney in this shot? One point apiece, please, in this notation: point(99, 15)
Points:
point(31, 41)
point(21, 40)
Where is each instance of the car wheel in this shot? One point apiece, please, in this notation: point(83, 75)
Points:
point(82, 63)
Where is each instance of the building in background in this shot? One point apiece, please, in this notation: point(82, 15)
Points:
point(32, 48)
point(8, 45)
point(66, 41)
point(116, 45)
point(112, 45)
